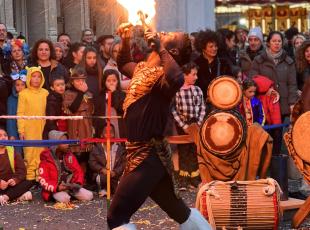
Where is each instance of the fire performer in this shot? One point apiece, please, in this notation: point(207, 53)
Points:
point(148, 168)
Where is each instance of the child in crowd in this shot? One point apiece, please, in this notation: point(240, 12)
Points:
point(19, 83)
point(251, 108)
point(32, 102)
point(269, 98)
point(78, 102)
point(189, 107)
point(98, 162)
point(111, 83)
point(91, 63)
point(54, 106)
point(60, 173)
point(12, 174)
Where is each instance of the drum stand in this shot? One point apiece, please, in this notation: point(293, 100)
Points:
point(301, 214)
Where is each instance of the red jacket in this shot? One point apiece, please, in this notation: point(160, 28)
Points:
point(272, 110)
point(49, 172)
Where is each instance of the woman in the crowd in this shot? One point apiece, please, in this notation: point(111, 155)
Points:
point(90, 61)
point(228, 50)
point(275, 64)
point(15, 51)
point(43, 55)
point(303, 64)
point(75, 55)
point(209, 63)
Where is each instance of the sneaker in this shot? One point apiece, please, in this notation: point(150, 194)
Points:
point(184, 182)
point(102, 193)
point(25, 197)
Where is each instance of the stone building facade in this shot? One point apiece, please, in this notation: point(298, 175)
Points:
point(37, 19)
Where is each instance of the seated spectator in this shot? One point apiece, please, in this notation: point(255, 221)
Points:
point(98, 163)
point(13, 183)
point(251, 108)
point(60, 173)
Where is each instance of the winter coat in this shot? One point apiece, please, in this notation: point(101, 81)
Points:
point(11, 124)
point(207, 72)
point(283, 75)
point(76, 103)
point(5, 89)
point(50, 172)
point(54, 108)
point(258, 115)
point(97, 160)
point(301, 77)
point(272, 110)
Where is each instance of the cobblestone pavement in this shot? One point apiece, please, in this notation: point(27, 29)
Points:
point(90, 215)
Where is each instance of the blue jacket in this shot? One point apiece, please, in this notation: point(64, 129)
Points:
point(258, 112)
point(11, 124)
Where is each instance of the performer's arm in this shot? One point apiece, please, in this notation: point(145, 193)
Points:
point(172, 70)
point(124, 60)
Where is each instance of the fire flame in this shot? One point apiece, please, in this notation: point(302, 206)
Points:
point(134, 6)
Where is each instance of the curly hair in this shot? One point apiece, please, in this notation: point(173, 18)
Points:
point(204, 37)
point(34, 52)
point(301, 62)
point(247, 83)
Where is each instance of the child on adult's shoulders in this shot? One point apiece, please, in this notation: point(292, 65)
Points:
point(13, 183)
point(61, 176)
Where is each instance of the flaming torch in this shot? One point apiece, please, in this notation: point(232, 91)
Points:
point(140, 12)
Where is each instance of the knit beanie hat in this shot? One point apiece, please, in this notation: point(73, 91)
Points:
point(59, 45)
point(55, 135)
point(256, 32)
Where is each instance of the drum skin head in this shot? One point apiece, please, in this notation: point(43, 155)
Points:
point(301, 137)
point(222, 132)
point(224, 93)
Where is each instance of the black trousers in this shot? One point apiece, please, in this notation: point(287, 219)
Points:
point(17, 190)
point(149, 179)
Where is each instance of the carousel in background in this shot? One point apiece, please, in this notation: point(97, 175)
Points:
point(269, 15)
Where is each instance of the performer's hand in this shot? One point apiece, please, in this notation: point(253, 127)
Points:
point(11, 182)
point(3, 184)
point(291, 108)
point(124, 30)
point(299, 93)
point(153, 39)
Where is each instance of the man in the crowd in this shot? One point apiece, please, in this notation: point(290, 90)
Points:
point(289, 35)
point(105, 42)
point(88, 38)
point(255, 47)
point(65, 39)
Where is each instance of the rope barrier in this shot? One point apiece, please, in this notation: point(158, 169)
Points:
point(57, 117)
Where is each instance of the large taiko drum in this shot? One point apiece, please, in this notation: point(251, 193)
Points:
point(222, 132)
point(245, 204)
point(224, 92)
point(301, 137)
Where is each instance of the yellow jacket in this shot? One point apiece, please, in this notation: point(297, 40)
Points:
point(32, 102)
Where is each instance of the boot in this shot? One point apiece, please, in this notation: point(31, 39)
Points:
point(126, 227)
point(195, 221)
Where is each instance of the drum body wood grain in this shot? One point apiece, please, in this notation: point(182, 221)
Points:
point(245, 204)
